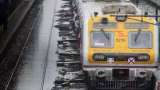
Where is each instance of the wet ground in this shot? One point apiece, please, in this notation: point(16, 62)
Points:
point(39, 59)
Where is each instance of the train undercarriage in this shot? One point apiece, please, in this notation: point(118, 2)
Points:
point(121, 79)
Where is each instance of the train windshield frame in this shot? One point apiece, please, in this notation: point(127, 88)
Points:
point(99, 40)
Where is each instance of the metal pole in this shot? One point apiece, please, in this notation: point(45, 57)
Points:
point(156, 14)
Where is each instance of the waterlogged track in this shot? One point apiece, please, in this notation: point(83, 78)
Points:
point(70, 74)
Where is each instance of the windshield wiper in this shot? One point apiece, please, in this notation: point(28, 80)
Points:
point(106, 35)
point(137, 35)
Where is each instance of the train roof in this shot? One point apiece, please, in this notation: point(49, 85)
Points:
point(104, 7)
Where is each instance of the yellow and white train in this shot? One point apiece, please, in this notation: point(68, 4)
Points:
point(118, 44)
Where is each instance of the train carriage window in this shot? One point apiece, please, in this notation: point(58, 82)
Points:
point(109, 25)
point(100, 40)
point(140, 39)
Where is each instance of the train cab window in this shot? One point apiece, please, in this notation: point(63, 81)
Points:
point(102, 40)
point(140, 39)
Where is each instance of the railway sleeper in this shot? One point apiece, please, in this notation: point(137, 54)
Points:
point(69, 53)
point(67, 83)
point(63, 26)
point(66, 0)
point(64, 29)
point(68, 60)
point(69, 37)
point(69, 64)
point(75, 31)
point(64, 46)
point(75, 57)
point(64, 6)
point(65, 15)
point(70, 50)
point(61, 64)
point(65, 19)
point(62, 11)
point(68, 41)
point(69, 76)
point(67, 34)
point(68, 69)
point(67, 3)
point(68, 45)
point(71, 68)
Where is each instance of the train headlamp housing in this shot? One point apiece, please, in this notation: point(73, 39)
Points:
point(112, 57)
point(98, 57)
point(143, 57)
point(121, 18)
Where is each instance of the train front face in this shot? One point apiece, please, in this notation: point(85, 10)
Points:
point(120, 42)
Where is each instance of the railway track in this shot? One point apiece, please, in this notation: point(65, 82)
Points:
point(15, 49)
point(69, 68)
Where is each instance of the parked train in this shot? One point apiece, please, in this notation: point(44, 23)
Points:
point(119, 45)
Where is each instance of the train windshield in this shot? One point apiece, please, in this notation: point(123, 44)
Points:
point(140, 39)
point(102, 39)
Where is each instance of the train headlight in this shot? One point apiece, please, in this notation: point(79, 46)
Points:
point(99, 57)
point(110, 59)
point(104, 21)
point(121, 18)
point(143, 57)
